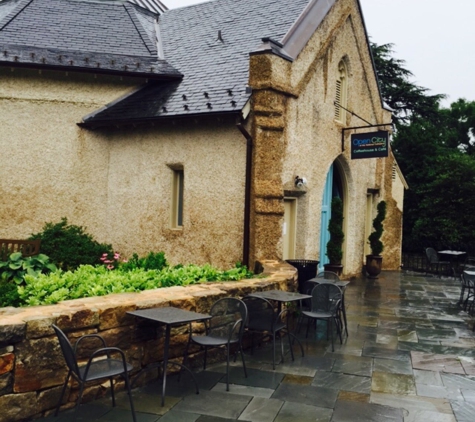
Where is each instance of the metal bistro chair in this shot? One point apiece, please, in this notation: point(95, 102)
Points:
point(224, 328)
point(262, 318)
point(468, 287)
point(332, 277)
point(433, 260)
point(99, 365)
point(326, 305)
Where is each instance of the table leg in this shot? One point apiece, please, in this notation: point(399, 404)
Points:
point(344, 313)
point(165, 363)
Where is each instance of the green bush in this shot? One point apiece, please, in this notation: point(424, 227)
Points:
point(17, 266)
point(89, 281)
point(9, 294)
point(153, 261)
point(69, 246)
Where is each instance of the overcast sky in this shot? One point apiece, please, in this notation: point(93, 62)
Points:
point(436, 38)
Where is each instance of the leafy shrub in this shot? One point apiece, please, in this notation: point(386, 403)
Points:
point(9, 294)
point(69, 246)
point(153, 261)
point(89, 281)
point(18, 266)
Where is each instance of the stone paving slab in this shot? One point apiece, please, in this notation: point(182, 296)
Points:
point(362, 412)
point(437, 362)
point(212, 403)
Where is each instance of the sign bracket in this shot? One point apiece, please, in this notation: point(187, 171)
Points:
point(355, 127)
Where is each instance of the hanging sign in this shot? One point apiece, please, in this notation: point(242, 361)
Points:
point(370, 145)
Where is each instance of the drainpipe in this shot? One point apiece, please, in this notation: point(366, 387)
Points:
point(247, 193)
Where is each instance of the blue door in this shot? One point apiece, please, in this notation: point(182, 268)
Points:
point(326, 214)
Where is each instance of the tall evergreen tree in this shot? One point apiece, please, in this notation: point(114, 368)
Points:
point(435, 148)
point(405, 98)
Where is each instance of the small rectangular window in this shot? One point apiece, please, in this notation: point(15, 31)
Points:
point(177, 198)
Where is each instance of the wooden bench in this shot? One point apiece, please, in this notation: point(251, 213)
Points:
point(26, 247)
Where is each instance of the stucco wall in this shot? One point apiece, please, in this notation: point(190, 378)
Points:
point(116, 183)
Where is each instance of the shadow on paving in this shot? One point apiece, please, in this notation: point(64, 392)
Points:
point(409, 357)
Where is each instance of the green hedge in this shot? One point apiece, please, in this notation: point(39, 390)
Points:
point(90, 281)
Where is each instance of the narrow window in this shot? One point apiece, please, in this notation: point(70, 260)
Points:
point(341, 92)
point(177, 198)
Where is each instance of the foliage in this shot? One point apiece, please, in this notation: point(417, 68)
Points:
point(335, 227)
point(70, 246)
point(18, 266)
point(375, 237)
point(89, 281)
point(153, 261)
point(435, 149)
point(400, 94)
point(9, 294)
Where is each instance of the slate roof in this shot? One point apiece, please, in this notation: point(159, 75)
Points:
point(111, 37)
point(209, 43)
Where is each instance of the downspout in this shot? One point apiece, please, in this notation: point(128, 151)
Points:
point(247, 193)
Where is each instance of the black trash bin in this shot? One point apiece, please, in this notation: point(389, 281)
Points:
point(307, 269)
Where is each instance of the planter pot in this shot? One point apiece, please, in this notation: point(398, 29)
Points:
point(336, 268)
point(373, 265)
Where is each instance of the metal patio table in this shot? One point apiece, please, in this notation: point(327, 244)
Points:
point(454, 257)
point(282, 296)
point(170, 316)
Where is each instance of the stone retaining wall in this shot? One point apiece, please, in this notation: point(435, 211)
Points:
point(32, 368)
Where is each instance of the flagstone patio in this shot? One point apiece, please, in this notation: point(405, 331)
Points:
point(409, 356)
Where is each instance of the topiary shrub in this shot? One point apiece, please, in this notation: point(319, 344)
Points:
point(374, 238)
point(335, 227)
point(69, 246)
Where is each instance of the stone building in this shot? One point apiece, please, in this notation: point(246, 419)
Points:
point(217, 132)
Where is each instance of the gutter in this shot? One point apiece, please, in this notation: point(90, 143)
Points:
point(247, 192)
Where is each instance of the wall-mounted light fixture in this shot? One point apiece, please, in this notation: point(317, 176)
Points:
point(300, 182)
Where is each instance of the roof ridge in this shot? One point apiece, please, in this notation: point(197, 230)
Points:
point(151, 47)
point(15, 12)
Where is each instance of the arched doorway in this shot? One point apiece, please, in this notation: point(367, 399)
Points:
point(333, 187)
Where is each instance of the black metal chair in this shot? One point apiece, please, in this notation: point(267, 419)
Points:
point(262, 318)
point(433, 260)
point(468, 287)
point(333, 277)
point(100, 365)
point(326, 305)
point(328, 275)
point(224, 328)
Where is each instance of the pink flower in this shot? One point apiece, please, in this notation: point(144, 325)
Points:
point(110, 267)
point(116, 256)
